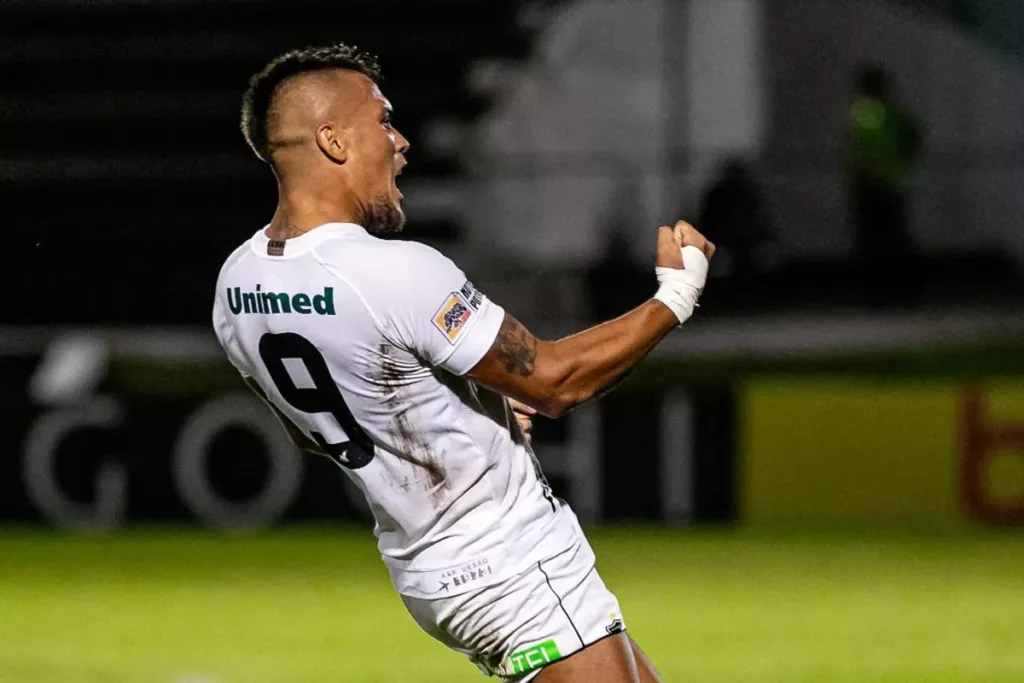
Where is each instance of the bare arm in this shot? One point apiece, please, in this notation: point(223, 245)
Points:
point(554, 377)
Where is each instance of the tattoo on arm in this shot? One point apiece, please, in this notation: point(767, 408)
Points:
point(516, 347)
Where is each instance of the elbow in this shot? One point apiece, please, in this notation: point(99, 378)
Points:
point(564, 401)
point(559, 397)
point(555, 385)
point(554, 406)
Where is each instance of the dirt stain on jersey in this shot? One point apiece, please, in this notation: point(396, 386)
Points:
point(409, 444)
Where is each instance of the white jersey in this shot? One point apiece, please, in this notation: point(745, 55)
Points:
point(362, 343)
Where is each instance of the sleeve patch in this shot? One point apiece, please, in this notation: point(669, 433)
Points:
point(472, 295)
point(453, 315)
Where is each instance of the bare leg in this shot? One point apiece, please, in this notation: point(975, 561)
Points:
point(609, 660)
point(648, 674)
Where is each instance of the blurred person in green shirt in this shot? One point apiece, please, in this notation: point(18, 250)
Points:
point(883, 143)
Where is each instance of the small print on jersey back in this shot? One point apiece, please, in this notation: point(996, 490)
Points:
point(453, 315)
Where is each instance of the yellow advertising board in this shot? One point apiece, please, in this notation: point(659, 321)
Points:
point(844, 451)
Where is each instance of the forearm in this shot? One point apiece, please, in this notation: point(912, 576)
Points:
point(593, 361)
point(553, 377)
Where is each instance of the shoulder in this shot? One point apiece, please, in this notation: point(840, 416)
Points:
point(417, 261)
point(405, 252)
point(234, 259)
point(230, 264)
point(378, 263)
point(396, 280)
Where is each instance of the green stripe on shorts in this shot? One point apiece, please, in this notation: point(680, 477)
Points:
point(531, 658)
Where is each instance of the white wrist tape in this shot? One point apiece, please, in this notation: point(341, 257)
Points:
point(680, 289)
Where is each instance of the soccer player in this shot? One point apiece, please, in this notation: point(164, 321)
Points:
point(381, 355)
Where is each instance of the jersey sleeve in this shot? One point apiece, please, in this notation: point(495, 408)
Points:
point(437, 313)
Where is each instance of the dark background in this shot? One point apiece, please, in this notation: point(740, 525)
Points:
point(125, 182)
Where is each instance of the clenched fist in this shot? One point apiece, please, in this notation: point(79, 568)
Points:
point(682, 267)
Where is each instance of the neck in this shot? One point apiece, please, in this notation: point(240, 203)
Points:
point(303, 208)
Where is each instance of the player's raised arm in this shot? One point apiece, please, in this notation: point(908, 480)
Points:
point(554, 377)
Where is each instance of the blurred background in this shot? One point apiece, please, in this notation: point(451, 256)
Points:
point(820, 478)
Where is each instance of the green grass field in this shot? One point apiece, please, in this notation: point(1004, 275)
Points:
point(315, 605)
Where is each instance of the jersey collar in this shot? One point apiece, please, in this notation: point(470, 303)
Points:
point(296, 246)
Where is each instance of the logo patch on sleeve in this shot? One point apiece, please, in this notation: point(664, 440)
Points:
point(452, 317)
point(472, 295)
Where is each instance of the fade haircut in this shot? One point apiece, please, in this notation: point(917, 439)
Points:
point(263, 86)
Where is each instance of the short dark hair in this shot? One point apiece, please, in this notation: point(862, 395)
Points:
point(264, 85)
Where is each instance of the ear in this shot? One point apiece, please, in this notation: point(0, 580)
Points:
point(332, 142)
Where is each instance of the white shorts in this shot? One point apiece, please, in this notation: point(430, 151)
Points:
point(512, 629)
